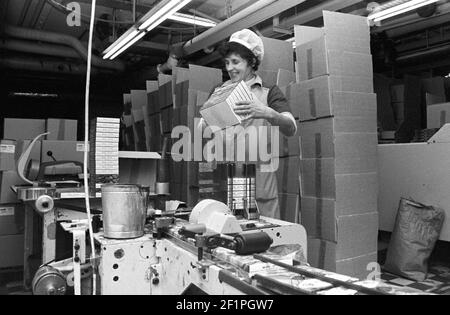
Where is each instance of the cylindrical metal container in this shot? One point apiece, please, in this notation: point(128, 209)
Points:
point(124, 210)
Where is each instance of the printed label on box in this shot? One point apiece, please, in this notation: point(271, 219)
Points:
point(7, 148)
point(80, 147)
point(8, 211)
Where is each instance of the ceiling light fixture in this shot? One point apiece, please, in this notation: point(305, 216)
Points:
point(158, 14)
point(378, 16)
point(191, 19)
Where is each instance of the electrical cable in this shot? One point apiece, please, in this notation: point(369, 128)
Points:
point(86, 145)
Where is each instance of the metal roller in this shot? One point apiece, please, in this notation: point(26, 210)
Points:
point(44, 204)
point(49, 281)
point(252, 243)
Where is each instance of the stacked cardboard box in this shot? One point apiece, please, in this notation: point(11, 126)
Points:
point(438, 115)
point(154, 116)
point(191, 89)
point(138, 101)
point(17, 132)
point(11, 235)
point(338, 131)
point(104, 153)
point(127, 132)
point(23, 129)
point(62, 129)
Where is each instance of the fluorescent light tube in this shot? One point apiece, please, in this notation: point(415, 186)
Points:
point(399, 9)
point(190, 19)
point(152, 19)
point(160, 13)
point(137, 38)
point(118, 44)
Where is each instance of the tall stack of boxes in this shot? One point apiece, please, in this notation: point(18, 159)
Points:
point(288, 174)
point(104, 153)
point(192, 87)
point(338, 135)
point(154, 119)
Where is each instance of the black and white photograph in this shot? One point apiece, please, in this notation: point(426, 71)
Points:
point(225, 154)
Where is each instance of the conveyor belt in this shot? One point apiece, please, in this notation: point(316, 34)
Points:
point(334, 282)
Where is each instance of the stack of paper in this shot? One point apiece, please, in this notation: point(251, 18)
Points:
point(218, 111)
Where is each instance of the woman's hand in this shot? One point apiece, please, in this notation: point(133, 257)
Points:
point(252, 109)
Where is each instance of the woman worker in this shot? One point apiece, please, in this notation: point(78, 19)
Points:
point(242, 56)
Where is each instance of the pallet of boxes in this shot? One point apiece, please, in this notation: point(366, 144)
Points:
point(60, 144)
point(338, 135)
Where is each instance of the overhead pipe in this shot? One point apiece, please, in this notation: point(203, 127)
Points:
point(312, 13)
point(193, 45)
point(423, 54)
point(45, 66)
point(56, 38)
point(38, 48)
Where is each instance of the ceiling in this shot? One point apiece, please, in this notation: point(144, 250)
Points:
point(410, 36)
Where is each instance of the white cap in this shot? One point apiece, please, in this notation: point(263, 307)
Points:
point(249, 39)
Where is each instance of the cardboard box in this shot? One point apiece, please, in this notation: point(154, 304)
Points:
point(23, 129)
point(341, 47)
point(438, 115)
point(12, 219)
point(277, 55)
point(62, 129)
point(285, 78)
point(328, 225)
point(268, 77)
point(319, 62)
point(343, 153)
point(350, 200)
point(342, 138)
point(8, 179)
point(200, 78)
point(138, 172)
point(139, 129)
point(166, 119)
point(323, 255)
point(289, 207)
point(7, 155)
point(139, 99)
point(165, 94)
point(218, 111)
point(294, 96)
point(335, 96)
point(358, 267)
point(63, 151)
point(288, 146)
point(165, 81)
point(11, 249)
point(320, 179)
point(288, 175)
